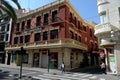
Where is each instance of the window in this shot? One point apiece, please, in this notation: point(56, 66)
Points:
point(21, 39)
point(46, 19)
point(54, 34)
point(37, 37)
point(18, 26)
point(1, 37)
point(75, 20)
point(70, 17)
point(90, 32)
point(25, 58)
point(84, 28)
point(103, 18)
point(27, 38)
point(15, 40)
point(3, 28)
point(75, 36)
point(6, 18)
point(28, 24)
point(8, 25)
point(91, 45)
point(79, 38)
point(71, 35)
point(23, 25)
point(2, 47)
point(85, 39)
point(78, 24)
point(14, 58)
point(38, 21)
point(54, 16)
point(45, 36)
point(6, 37)
point(71, 59)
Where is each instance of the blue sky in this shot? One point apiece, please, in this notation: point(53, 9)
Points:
point(86, 8)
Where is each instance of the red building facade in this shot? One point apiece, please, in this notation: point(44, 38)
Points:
point(53, 34)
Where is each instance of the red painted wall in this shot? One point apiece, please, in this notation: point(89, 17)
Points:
point(64, 15)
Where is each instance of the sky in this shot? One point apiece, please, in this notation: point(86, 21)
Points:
point(86, 8)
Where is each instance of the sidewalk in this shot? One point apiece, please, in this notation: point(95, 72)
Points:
point(42, 70)
point(93, 70)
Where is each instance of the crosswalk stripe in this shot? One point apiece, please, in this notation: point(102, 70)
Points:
point(102, 79)
point(72, 76)
point(40, 78)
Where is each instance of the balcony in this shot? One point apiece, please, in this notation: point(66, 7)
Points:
point(69, 43)
point(107, 42)
point(56, 21)
point(102, 2)
point(104, 29)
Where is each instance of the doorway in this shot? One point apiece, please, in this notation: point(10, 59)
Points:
point(44, 60)
point(36, 60)
point(9, 58)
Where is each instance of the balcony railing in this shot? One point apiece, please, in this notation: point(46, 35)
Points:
point(101, 29)
point(70, 43)
point(56, 20)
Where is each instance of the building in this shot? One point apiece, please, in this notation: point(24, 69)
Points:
point(108, 33)
point(53, 34)
point(5, 30)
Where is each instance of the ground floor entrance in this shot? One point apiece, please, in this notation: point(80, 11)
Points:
point(36, 59)
point(49, 58)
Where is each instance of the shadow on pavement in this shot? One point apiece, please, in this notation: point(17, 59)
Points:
point(92, 70)
point(4, 74)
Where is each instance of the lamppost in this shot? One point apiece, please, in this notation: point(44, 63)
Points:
point(48, 59)
point(22, 52)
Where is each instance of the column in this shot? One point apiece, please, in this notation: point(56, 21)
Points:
point(117, 58)
point(30, 61)
point(40, 60)
point(107, 60)
point(66, 58)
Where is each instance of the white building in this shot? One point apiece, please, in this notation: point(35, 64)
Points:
point(5, 30)
point(108, 32)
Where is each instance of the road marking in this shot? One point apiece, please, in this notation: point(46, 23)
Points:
point(10, 75)
point(102, 79)
point(40, 78)
point(29, 73)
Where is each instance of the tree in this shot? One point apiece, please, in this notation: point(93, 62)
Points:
point(6, 7)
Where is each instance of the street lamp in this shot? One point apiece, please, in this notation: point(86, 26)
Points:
point(22, 52)
point(48, 59)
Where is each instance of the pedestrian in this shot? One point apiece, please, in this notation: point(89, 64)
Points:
point(103, 67)
point(63, 67)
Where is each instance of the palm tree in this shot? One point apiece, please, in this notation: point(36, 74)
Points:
point(6, 7)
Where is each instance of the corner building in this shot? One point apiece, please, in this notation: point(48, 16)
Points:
point(108, 32)
point(53, 34)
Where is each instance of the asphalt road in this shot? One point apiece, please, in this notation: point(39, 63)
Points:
point(13, 73)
